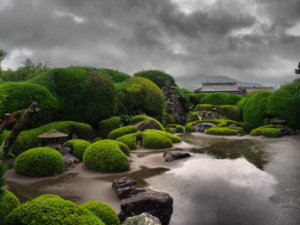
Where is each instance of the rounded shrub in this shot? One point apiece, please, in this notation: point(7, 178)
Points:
point(266, 131)
point(7, 204)
point(144, 118)
point(105, 156)
point(232, 112)
point(221, 99)
point(115, 75)
point(78, 147)
point(174, 138)
point(222, 131)
point(170, 130)
point(41, 161)
point(203, 107)
point(102, 210)
point(255, 108)
point(119, 132)
point(138, 94)
point(124, 148)
point(158, 77)
point(85, 96)
point(107, 125)
point(177, 128)
point(154, 140)
point(129, 140)
point(49, 210)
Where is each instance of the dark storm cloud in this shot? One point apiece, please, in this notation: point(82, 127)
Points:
point(250, 40)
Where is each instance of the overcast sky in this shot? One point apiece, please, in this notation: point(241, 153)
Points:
point(253, 40)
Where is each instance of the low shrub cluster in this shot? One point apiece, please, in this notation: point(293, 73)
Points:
point(158, 77)
point(222, 131)
point(78, 147)
point(177, 128)
point(107, 125)
point(105, 156)
point(41, 161)
point(231, 112)
point(119, 132)
point(203, 107)
point(266, 131)
point(103, 211)
point(219, 123)
point(7, 204)
point(221, 99)
point(129, 140)
point(155, 140)
point(144, 118)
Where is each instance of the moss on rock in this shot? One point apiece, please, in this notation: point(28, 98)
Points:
point(7, 204)
point(78, 147)
point(119, 132)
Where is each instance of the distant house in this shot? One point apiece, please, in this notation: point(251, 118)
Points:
point(228, 87)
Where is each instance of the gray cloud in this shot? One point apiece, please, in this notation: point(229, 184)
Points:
point(250, 40)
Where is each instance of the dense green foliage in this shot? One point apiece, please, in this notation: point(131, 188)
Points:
point(155, 140)
point(231, 112)
point(129, 140)
point(85, 96)
point(144, 118)
point(50, 210)
point(78, 147)
point(158, 77)
point(222, 131)
point(7, 204)
point(107, 125)
point(177, 128)
point(29, 139)
point(2, 173)
point(18, 96)
point(285, 103)
point(102, 210)
point(204, 107)
point(255, 108)
point(139, 95)
point(266, 131)
point(122, 131)
point(221, 99)
point(219, 123)
point(115, 75)
point(105, 156)
point(40, 161)
point(174, 138)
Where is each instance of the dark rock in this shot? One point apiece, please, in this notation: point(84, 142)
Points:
point(201, 127)
point(142, 219)
point(70, 161)
point(151, 124)
point(173, 155)
point(158, 204)
point(125, 187)
point(65, 150)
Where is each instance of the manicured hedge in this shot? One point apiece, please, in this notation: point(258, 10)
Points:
point(255, 108)
point(119, 132)
point(204, 107)
point(221, 99)
point(29, 139)
point(107, 125)
point(129, 140)
point(41, 161)
point(138, 94)
point(144, 118)
point(103, 211)
point(231, 112)
point(50, 210)
point(285, 103)
point(7, 204)
point(19, 95)
point(154, 140)
point(222, 131)
point(78, 147)
point(105, 156)
point(158, 77)
point(85, 96)
point(266, 131)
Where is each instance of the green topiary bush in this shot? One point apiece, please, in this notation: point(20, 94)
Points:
point(29, 139)
point(105, 156)
point(158, 77)
point(49, 210)
point(129, 140)
point(178, 128)
point(85, 96)
point(174, 138)
point(222, 131)
point(119, 132)
point(255, 108)
point(7, 204)
point(17, 96)
point(107, 125)
point(203, 107)
point(284, 103)
point(266, 131)
point(231, 112)
point(41, 161)
point(102, 210)
point(124, 148)
point(144, 118)
point(221, 99)
point(78, 147)
point(138, 94)
point(155, 140)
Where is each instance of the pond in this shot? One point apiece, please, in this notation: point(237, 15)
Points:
point(228, 180)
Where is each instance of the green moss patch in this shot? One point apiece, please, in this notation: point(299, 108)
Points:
point(266, 131)
point(222, 131)
point(107, 125)
point(7, 204)
point(121, 132)
point(78, 147)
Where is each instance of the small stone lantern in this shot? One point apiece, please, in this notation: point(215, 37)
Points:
point(53, 139)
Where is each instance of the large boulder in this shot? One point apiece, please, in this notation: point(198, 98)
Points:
point(158, 204)
point(201, 127)
point(175, 154)
point(125, 187)
point(142, 219)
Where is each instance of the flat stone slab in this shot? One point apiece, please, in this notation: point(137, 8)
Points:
point(125, 187)
point(174, 155)
point(142, 219)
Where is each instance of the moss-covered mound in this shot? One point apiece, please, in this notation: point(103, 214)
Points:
point(174, 138)
point(158, 77)
point(49, 210)
point(7, 204)
point(221, 99)
point(203, 107)
point(19, 95)
point(138, 119)
point(29, 139)
point(154, 140)
point(231, 112)
point(115, 75)
point(285, 103)
point(102, 210)
point(85, 96)
point(107, 125)
point(222, 131)
point(266, 131)
point(78, 147)
point(124, 148)
point(41, 161)
point(219, 123)
point(177, 128)
point(137, 95)
point(105, 156)
point(255, 108)
point(129, 140)
point(119, 132)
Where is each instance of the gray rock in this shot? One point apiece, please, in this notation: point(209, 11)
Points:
point(124, 187)
point(158, 204)
point(151, 124)
point(173, 155)
point(142, 219)
point(201, 127)
point(70, 161)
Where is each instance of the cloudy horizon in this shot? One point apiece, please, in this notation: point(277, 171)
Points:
point(251, 40)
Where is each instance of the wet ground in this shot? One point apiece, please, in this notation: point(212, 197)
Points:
point(234, 180)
